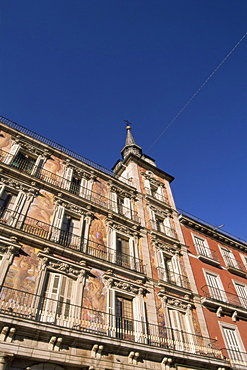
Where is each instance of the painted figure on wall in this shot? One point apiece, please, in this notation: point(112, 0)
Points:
point(21, 277)
point(99, 192)
point(40, 214)
point(5, 144)
point(97, 234)
point(53, 170)
point(94, 301)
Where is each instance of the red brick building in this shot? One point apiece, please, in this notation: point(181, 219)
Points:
point(219, 266)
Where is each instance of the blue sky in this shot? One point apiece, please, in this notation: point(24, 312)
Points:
point(73, 70)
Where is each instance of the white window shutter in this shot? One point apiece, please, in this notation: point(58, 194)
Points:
point(147, 186)
point(38, 165)
point(127, 207)
point(114, 202)
point(83, 188)
point(139, 313)
point(57, 223)
point(67, 176)
point(12, 152)
point(2, 187)
point(161, 265)
point(111, 312)
point(17, 208)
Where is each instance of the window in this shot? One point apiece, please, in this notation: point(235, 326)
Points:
point(161, 224)
point(57, 299)
point(228, 257)
point(11, 205)
point(242, 293)
point(127, 253)
point(121, 205)
point(169, 269)
point(124, 318)
point(23, 162)
point(233, 342)
point(181, 331)
point(70, 232)
point(201, 246)
point(215, 286)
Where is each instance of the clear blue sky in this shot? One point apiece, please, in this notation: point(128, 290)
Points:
point(73, 70)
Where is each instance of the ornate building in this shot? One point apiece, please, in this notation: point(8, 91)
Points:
point(95, 273)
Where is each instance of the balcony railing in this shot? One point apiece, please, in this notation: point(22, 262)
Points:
point(173, 278)
point(233, 264)
point(27, 165)
point(235, 356)
point(222, 296)
point(206, 252)
point(161, 228)
point(68, 239)
point(47, 311)
point(155, 195)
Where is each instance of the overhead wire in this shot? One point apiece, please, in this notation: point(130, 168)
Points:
point(198, 90)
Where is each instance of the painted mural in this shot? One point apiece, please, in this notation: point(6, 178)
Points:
point(39, 215)
point(100, 192)
point(94, 302)
point(5, 144)
point(21, 277)
point(53, 170)
point(98, 236)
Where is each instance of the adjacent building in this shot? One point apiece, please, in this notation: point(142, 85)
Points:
point(219, 264)
point(96, 272)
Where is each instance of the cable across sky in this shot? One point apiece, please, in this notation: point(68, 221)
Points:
point(195, 94)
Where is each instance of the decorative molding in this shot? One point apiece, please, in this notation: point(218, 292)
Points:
point(60, 265)
point(127, 286)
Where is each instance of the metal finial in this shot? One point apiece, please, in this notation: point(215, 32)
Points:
point(128, 124)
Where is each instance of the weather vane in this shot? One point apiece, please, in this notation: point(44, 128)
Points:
point(128, 124)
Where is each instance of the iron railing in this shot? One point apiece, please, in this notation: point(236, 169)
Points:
point(69, 240)
point(155, 195)
point(160, 227)
point(207, 252)
point(235, 356)
point(223, 296)
point(233, 263)
point(173, 278)
point(16, 303)
point(27, 165)
point(54, 145)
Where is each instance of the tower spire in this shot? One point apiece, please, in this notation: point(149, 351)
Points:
point(130, 145)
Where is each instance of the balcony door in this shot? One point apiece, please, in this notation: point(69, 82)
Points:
point(56, 304)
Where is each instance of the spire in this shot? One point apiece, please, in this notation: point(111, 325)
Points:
point(130, 145)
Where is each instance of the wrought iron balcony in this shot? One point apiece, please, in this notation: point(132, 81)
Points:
point(58, 313)
point(219, 295)
point(161, 228)
point(235, 356)
point(69, 240)
point(157, 196)
point(173, 278)
point(26, 164)
point(235, 266)
point(207, 255)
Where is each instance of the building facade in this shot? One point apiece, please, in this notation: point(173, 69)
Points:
point(95, 270)
point(219, 265)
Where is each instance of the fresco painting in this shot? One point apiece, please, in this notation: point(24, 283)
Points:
point(22, 277)
point(5, 144)
point(100, 192)
point(53, 171)
point(98, 237)
point(39, 215)
point(94, 302)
